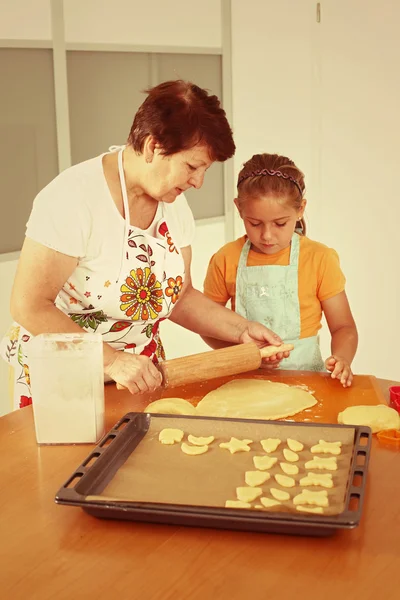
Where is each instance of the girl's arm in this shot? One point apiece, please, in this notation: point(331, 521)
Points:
point(344, 337)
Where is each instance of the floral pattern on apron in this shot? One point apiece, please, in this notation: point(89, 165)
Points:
point(269, 294)
point(130, 305)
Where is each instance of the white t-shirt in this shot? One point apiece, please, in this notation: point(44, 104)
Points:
point(76, 215)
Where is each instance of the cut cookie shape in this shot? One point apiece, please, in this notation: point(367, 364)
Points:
point(294, 445)
point(248, 494)
point(279, 494)
point(330, 464)
point(327, 448)
point(270, 444)
point(290, 456)
point(269, 502)
point(193, 450)
point(170, 436)
point(285, 481)
point(255, 478)
point(263, 463)
point(318, 510)
point(315, 498)
point(200, 441)
point(324, 480)
point(289, 469)
point(237, 504)
point(235, 445)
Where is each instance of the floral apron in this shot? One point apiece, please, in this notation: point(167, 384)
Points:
point(269, 294)
point(140, 294)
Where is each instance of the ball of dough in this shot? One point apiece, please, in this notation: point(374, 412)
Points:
point(378, 417)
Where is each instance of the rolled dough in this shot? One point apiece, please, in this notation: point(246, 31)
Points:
point(171, 406)
point(255, 399)
point(379, 417)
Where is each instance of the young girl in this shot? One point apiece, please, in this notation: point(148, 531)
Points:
point(278, 276)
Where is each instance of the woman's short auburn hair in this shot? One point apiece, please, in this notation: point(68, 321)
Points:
point(179, 115)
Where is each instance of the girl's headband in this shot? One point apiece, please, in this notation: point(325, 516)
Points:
point(271, 173)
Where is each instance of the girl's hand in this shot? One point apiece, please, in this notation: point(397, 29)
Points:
point(135, 372)
point(340, 369)
point(262, 336)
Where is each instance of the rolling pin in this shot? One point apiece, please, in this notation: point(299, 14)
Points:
point(215, 363)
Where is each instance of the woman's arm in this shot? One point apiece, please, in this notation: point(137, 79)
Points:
point(344, 337)
point(201, 315)
point(41, 274)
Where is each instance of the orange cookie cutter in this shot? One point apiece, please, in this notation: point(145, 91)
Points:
point(390, 437)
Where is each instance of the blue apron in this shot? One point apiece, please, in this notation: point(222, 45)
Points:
point(269, 294)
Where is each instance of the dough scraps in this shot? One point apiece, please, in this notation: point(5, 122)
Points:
point(171, 406)
point(255, 399)
point(379, 417)
point(324, 480)
point(170, 436)
point(248, 494)
point(294, 445)
point(289, 469)
point(290, 456)
point(270, 444)
point(193, 450)
point(200, 441)
point(327, 448)
point(237, 504)
point(235, 445)
point(262, 463)
point(330, 464)
point(285, 481)
point(255, 478)
point(279, 494)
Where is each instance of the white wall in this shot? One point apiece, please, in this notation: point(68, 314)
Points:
point(164, 22)
point(157, 23)
point(327, 95)
point(25, 19)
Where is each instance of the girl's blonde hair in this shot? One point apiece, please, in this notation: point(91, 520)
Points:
point(275, 175)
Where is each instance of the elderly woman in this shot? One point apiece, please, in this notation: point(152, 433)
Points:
point(107, 245)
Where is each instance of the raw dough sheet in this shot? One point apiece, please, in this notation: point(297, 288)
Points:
point(164, 474)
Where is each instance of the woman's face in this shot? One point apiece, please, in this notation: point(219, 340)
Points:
point(168, 176)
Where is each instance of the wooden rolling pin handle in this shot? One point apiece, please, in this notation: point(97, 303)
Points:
point(269, 351)
point(215, 363)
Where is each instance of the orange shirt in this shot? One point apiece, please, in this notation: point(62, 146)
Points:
point(320, 277)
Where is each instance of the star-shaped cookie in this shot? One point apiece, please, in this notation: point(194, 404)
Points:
point(235, 445)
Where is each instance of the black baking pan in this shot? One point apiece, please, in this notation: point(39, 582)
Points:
point(101, 465)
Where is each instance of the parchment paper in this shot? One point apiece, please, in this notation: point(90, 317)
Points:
point(159, 473)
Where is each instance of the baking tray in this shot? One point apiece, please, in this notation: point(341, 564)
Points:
point(88, 487)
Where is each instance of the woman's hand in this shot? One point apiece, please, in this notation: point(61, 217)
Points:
point(135, 372)
point(340, 369)
point(262, 336)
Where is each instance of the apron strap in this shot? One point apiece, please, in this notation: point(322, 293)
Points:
point(294, 250)
point(244, 254)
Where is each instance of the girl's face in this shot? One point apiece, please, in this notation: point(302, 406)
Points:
point(269, 222)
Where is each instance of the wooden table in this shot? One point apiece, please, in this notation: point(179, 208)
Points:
point(49, 551)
